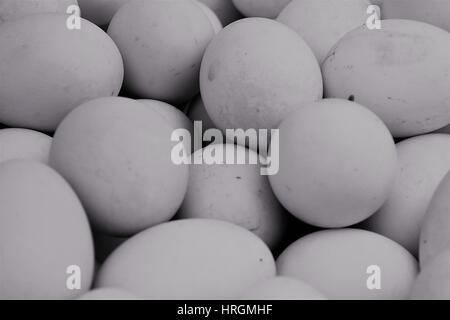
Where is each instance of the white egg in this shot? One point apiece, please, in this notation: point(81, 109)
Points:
point(45, 239)
point(422, 163)
point(401, 72)
point(189, 259)
point(337, 163)
point(24, 144)
point(46, 69)
point(162, 43)
point(236, 193)
point(116, 153)
point(343, 264)
point(255, 72)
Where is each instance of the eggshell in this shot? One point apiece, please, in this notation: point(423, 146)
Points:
point(246, 83)
point(189, 259)
point(100, 12)
point(260, 8)
point(116, 153)
point(108, 294)
point(236, 193)
point(434, 12)
point(46, 69)
point(423, 161)
point(335, 262)
point(435, 231)
point(282, 288)
point(224, 10)
point(162, 43)
point(14, 9)
point(401, 72)
point(433, 282)
point(322, 23)
point(337, 163)
point(43, 231)
point(24, 144)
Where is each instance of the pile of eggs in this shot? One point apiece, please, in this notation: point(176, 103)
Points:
point(92, 206)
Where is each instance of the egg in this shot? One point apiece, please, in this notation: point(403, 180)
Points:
point(260, 8)
point(43, 232)
point(434, 12)
point(282, 288)
point(13, 9)
point(433, 282)
point(322, 23)
point(246, 83)
point(236, 193)
point(188, 259)
point(435, 231)
point(116, 153)
point(224, 9)
point(108, 294)
point(337, 163)
point(162, 43)
point(339, 264)
point(401, 72)
point(422, 163)
point(100, 12)
point(46, 69)
point(24, 144)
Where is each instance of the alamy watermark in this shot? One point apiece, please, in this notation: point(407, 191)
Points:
point(216, 153)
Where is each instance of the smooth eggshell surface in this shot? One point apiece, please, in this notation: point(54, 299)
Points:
point(47, 71)
point(116, 153)
point(15, 9)
point(337, 163)
point(422, 163)
point(162, 43)
point(43, 231)
point(322, 23)
point(236, 193)
point(435, 231)
point(246, 83)
point(336, 262)
point(282, 288)
point(189, 259)
point(24, 144)
point(388, 74)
